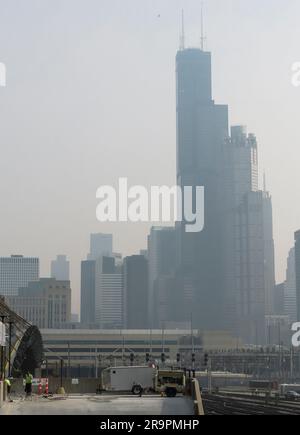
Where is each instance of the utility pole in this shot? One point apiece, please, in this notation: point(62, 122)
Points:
point(61, 372)
point(69, 361)
point(209, 376)
point(192, 344)
point(292, 364)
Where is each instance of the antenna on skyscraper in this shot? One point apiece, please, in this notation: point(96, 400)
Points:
point(265, 182)
point(182, 36)
point(203, 38)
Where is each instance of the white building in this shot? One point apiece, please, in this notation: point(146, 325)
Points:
point(16, 272)
point(109, 301)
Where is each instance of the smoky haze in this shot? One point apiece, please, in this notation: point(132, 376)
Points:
point(90, 97)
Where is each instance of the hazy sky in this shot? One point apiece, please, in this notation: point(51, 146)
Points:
point(90, 97)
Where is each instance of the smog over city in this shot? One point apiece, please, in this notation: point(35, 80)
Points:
point(150, 225)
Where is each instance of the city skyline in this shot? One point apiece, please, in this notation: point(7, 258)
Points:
point(237, 86)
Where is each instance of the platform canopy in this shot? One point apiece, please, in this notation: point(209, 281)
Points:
point(26, 342)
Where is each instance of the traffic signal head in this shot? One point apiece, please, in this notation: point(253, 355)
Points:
point(178, 358)
point(193, 357)
point(163, 357)
point(206, 360)
point(132, 357)
point(147, 357)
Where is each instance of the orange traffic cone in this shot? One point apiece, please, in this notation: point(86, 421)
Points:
point(40, 388)
point(47, 387)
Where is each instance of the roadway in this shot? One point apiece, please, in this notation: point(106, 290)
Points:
point(100, 405)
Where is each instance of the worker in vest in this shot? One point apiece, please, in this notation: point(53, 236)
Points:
point(28, 384)
point(7, 383)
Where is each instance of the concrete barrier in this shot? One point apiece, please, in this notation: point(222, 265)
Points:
point(196, 394)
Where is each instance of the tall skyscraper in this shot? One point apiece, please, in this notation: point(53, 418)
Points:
point(162, 267)
point(136, 292)
point(100, 245)
point(88, 292)
point(256, 275)
point(202, 130)
point(16, 272)
point(108, 294)
point(297, 269)
point(290, 292)
point(60, 268)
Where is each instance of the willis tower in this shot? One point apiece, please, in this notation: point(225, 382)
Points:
point(202, 133)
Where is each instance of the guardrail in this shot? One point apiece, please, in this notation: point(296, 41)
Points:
point(196, 395)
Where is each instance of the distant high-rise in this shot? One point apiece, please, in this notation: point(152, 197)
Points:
point(162, 266)
point(16, 272)
point(297, 268)
point(136, 292)
point(45, 303)
point(100, 245)
point(108, 295)
point(88, 289)
point(202, 130)
point(60, 268)
point(290, 293)
point(255, 271)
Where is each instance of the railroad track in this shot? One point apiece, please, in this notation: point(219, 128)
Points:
point(228, 405)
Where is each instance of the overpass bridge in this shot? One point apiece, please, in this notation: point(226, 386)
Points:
point(108, 405)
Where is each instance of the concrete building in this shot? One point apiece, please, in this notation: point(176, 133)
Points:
point(85, 351)
point(45, 303)
point(162, 268)
point(135, 292)
point(297, 269)
point(290, 293)
point(16, 272)
point(60, 268)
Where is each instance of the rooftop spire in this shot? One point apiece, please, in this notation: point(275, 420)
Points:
point(265, 182)
point(203, 38)
point(182, 36)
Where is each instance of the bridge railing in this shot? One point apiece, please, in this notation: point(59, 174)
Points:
point(193, 390)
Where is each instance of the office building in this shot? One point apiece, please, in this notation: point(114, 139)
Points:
point(202, 130)
point(109, 301)
point(16, 272)
point(290, 293)
point(60, 268)
point(297, 270)
point(162, 267)
point(135, 272)
point(100, 245)
point(45, 303)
